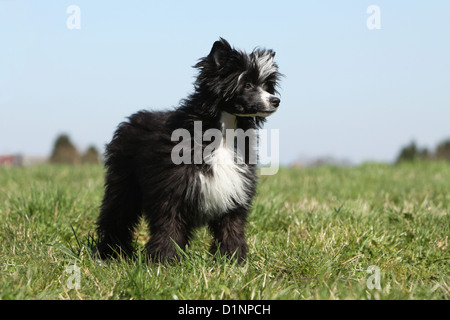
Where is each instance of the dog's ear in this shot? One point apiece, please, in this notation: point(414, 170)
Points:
point(220, 52)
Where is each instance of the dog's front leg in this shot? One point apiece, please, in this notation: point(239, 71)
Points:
point(165, 235)
point(229, 234)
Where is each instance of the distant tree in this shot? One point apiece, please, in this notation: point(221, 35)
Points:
point(64, 151)
point(412, 153)
point(409, 153)
point(424, 154)
point(443, 150)
point(91, 155)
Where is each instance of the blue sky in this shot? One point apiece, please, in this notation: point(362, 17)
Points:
point(349, 92)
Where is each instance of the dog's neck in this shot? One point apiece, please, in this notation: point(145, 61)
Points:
point(227, 121)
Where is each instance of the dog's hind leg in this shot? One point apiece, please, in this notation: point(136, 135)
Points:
point(119, 215)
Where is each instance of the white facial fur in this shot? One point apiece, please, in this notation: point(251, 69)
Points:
point(265, 98)
point(266, 65)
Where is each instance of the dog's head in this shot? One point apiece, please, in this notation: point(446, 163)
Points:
point(241, 84)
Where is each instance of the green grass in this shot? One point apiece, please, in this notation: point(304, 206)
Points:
point(313, 233)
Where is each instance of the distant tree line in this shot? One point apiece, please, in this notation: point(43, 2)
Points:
point(65, 152)
point(412, 152)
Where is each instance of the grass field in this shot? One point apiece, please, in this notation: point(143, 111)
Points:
point(313, 234)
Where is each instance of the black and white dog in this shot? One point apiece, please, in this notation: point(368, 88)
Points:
point(233, 90)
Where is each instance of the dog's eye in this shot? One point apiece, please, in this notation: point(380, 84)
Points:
point(248, 86)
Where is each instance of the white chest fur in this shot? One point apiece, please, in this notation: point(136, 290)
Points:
point(227, 186)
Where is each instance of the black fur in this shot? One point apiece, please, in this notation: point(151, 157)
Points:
point(142, 179)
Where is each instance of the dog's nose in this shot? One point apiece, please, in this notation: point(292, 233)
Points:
point(275, 102)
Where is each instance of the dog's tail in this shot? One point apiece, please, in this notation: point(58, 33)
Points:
point(121, 205)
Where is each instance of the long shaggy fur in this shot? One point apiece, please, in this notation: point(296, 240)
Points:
point(233, 90)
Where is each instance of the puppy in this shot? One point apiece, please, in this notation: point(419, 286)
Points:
point(179, 186)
